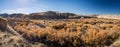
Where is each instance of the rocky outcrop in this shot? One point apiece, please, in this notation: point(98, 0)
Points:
point(3, 24)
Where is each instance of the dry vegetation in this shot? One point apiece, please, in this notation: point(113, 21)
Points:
point(10, 40)
point(87, 32)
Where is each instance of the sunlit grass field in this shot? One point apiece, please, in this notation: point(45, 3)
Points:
point(86, 32)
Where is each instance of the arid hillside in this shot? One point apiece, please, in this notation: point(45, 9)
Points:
point(55, 29)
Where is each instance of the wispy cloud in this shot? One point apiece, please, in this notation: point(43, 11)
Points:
point(24, 1)
point(17, 10)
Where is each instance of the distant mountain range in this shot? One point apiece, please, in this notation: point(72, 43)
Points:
point(56, 15)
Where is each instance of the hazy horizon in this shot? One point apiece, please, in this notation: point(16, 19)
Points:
point(72, 6)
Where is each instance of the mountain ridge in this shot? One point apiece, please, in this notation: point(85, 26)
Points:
point(58, 15)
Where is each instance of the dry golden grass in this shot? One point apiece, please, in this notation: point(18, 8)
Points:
point(92, 32)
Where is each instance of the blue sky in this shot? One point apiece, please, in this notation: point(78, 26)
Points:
point(73, 6)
